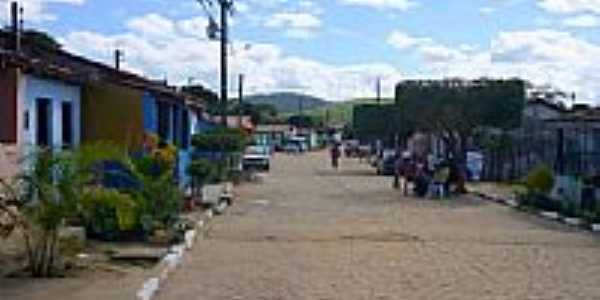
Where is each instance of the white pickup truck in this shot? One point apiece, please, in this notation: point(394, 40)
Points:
point(257, 158)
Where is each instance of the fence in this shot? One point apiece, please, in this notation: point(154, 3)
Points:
point(569, 150)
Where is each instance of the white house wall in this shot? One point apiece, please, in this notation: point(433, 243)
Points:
point(32, 88)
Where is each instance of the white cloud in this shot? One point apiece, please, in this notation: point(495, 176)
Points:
point(294, 20)
point(542, 56)
point(181, 54)
point(35, 11)
point(570, 6)
point(296, 25)
point(427, 49)
point(582, 21)
point(153, 25)
point(487, 10)
point(402, 5)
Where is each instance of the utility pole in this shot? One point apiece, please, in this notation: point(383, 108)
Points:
point(118, 58)
point(16, 29)
point(215, 31)
point(241, 99)
point(225, 8)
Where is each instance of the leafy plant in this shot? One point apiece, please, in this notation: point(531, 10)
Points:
point(162, 201)
point(540, 180)
point(592, 217)
point(221, 140)
point(203, 171)
point(108, 212)
point(47, 193)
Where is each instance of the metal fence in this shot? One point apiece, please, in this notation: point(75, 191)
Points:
point(571, 150)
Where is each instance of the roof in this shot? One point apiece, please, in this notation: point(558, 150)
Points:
point(545, 103)
point(65, 66)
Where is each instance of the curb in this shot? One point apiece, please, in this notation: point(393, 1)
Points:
point(172, 260)
point(549, 215)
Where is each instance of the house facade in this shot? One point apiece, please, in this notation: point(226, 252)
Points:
point(60, 100)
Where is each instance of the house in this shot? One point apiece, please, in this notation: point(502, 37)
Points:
point(273, 135)
point(52, 98)
point(311, 135)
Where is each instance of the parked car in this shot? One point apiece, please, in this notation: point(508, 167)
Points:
point(257, 158)
point(296, 145)
point(386, 165)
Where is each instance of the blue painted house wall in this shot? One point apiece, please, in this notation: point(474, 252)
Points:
point(150, 113)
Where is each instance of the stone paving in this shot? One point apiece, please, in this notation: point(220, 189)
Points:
point(309, 232)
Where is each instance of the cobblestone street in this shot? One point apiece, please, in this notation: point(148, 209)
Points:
point(309, 232)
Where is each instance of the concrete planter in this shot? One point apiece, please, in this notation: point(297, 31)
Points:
point(573, 221)
point(550, 215)
point(595, 227)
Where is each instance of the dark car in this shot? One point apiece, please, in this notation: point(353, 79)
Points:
point(387, 165)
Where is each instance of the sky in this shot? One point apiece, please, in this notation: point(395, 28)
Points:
point(337, 49)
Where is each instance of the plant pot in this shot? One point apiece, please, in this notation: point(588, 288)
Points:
point(550, 215)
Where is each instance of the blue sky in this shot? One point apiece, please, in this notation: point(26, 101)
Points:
point(337, 48)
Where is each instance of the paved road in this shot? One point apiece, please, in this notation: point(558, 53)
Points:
point(310, 233)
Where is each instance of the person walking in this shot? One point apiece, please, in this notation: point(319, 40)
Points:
point(335, 155)
point(404, 171)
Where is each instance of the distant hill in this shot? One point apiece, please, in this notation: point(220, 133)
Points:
point(289, 102)
point(342, 112)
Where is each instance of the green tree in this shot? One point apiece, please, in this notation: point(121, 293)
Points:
point(455, 111)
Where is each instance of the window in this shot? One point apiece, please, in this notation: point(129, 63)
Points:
point(44, 125)
point(67, 124)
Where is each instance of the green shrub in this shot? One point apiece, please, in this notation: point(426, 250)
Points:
point(203, 171)
point(540, 180)
point(221, 140)
point(569, 209)
point(592, 217)
point(108, 213)
point(162, 202)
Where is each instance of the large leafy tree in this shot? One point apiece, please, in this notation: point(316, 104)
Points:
point(456, 110)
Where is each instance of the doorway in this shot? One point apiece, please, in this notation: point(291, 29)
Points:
point(44, 122)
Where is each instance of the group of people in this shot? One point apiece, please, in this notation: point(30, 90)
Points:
point(426, 175)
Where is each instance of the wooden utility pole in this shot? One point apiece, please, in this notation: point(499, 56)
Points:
point(241, 99)
point(15, 28)
point(225, 8)
point(222, 32)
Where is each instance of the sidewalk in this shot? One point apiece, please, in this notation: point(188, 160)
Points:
point(495, 190)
